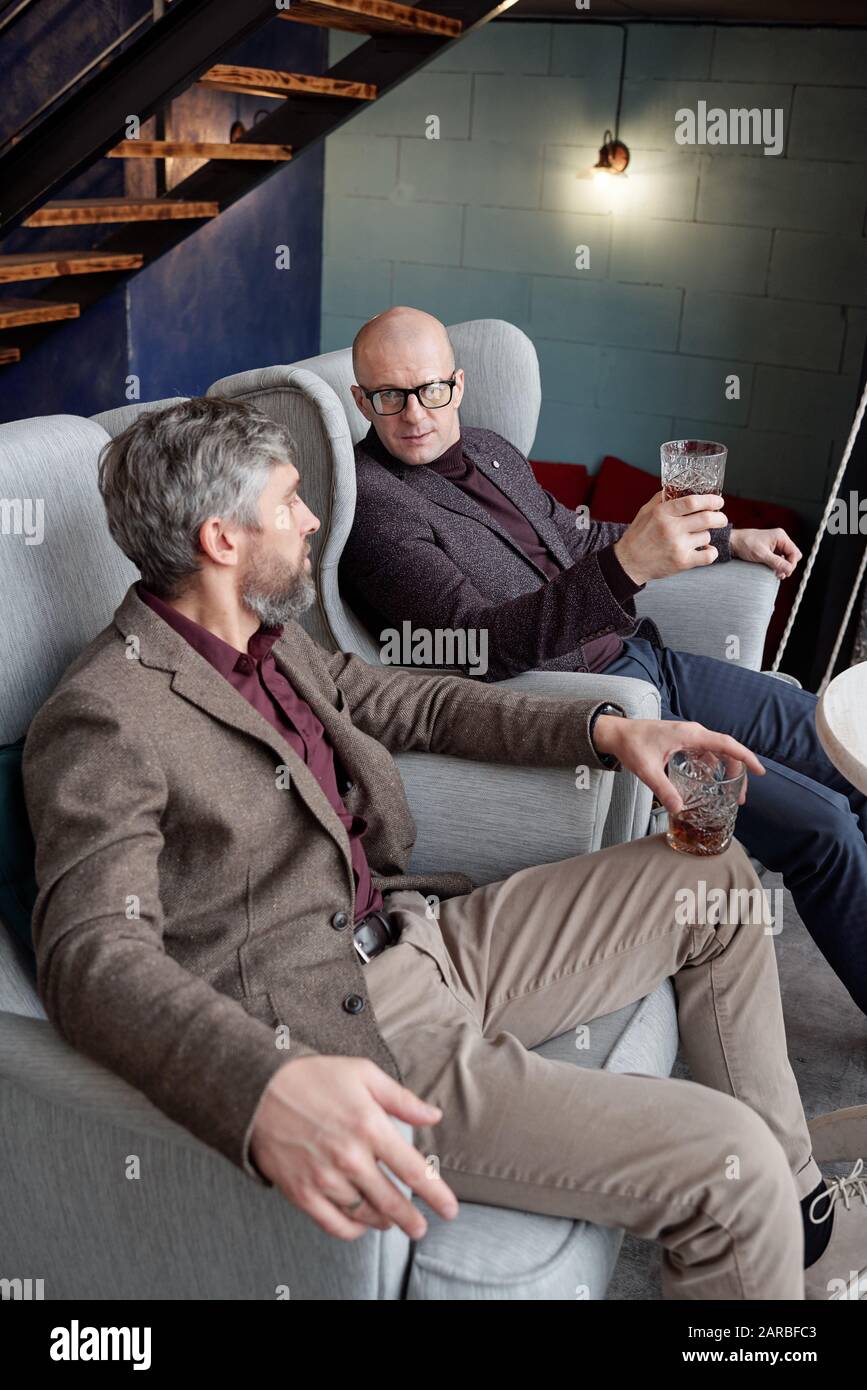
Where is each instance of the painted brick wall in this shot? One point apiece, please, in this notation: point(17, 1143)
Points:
point(705, 261)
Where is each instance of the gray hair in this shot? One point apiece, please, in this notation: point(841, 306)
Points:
point(171, 469)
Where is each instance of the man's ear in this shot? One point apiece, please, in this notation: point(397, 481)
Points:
point(360, 400)
point(458, 393)
point(218, 541)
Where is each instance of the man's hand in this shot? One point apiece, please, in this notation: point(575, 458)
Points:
point(645, 746)
point(322, 1127)
point(772, 548)
point(665, 536)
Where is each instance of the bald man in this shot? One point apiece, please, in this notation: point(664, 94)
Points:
point(453, 534)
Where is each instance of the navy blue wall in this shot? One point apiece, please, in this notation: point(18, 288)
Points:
point(216, 304)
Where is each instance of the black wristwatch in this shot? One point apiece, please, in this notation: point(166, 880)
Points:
point(607, 760)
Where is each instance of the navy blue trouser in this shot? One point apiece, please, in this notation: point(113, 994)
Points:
point(802, 819)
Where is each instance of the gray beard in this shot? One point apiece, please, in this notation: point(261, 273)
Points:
point(274, 610)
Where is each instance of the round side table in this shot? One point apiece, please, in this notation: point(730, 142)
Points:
point(841, 723)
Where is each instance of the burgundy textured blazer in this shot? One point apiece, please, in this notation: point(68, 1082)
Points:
point(422, 551)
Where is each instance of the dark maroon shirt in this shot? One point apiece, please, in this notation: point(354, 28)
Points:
point(256, 675)
point(460, 470)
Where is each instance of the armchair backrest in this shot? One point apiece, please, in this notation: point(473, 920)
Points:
point(61, 576)
point(310, 410)
point(115, 421)
point(62, 582)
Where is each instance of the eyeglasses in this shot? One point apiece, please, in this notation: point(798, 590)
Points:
point(391, 400)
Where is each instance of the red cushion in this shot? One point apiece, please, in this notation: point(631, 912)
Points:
point(568, 482)
point(621, 490)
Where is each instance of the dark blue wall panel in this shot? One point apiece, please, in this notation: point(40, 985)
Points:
point(217, 304)
point(78, 370)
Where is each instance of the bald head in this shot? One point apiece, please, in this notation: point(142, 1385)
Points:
point(404, 348)
point(397, 332)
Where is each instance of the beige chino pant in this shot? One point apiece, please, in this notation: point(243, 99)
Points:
point(714, 1168)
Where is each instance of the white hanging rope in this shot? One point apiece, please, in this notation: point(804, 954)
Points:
point(811, 559)
point(829, 669)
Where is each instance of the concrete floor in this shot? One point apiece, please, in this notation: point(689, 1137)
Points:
point(827, 1036)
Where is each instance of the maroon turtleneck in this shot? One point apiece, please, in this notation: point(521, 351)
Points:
point(455, 465)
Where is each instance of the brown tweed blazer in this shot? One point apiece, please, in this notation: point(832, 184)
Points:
point(191, 871)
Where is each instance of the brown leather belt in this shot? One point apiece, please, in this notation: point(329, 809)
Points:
point(373, 934)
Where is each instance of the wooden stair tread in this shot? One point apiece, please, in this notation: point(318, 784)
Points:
point(198, 149)
point(69, 212)
point(371, 17)
point(14, 313)
point(266, 82)
point(8, 355)
point(42, 265)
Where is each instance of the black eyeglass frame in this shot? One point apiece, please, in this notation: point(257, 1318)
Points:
point(408, 391)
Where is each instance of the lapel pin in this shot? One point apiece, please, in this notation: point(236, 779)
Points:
point(494, 462)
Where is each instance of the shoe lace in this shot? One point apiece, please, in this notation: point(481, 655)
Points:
point(854, 1185)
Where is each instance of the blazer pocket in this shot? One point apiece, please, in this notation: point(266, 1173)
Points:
point(251, 996)
point(274, 1010)
point(282, 1011)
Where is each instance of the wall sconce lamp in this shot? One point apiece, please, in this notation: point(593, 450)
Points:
point(613, 154)
point(613, 158)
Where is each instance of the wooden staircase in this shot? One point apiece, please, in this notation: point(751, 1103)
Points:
point(263, 82)
point(198, 149)
point(15, 313)
point(402, 39)
point(371, 17)
point(80, 212)
point(44, 265)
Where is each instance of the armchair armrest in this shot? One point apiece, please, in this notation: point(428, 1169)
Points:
point(197, 1227)
point(700, 610)
point(628, 814)
point(489, 820)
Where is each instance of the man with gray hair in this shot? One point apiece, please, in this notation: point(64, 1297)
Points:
point(227, 917)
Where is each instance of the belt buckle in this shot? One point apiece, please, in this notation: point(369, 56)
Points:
point(361, 951)
point(380, 917)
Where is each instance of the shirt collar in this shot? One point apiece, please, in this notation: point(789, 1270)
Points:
point(221, 655)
